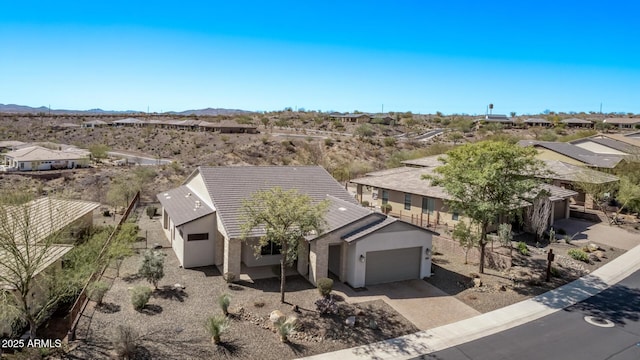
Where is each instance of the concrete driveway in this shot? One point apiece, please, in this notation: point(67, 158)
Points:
point(586, 231)
point(421, 303)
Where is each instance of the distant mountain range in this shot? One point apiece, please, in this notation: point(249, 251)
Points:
point(21, 109)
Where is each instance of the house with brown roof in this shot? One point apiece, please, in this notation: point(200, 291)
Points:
point(414, 199)
point(539, 122)
point(577, 123)
point(31, 224)
point(202, 221)
point(623, 123)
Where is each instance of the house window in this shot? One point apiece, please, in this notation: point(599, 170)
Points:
point(270, 249)
point(428, 205)
point(198, 237)
point(407, 201)
point(385, 197)
point(21, 165)
point(455, 216)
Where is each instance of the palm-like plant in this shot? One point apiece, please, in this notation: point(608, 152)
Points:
point(217, 325)
point(286, 328)
point(224, 300)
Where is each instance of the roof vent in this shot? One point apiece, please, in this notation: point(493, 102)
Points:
point(198, 204)
point(168, 197)
point(342, 209)
point(166, 194)
point(188, 194)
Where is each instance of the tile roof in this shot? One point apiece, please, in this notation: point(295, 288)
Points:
point(377, 225)
point(408, 182)
point(429, 161)
point(575, 152)
point(537, 120)
point(576, 121)
point(610, 143)
point(47, 215)
point(128, 121)
point(569, 172)
point(557, 193)
point(10, 144)
point(342, 213)
point(622, 121)
point(228, 185)
point(39, 153)
point(183, 205)
point(50, 253)
point(390, 171)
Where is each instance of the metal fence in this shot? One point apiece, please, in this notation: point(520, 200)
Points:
point(75, 314)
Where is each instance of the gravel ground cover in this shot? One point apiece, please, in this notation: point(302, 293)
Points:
point(497, 288)
point(171, 326)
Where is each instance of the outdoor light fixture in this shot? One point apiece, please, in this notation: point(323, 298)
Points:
point(362, 258)
point(427, 252)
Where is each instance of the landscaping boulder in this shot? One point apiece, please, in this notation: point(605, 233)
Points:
point(600, 254)
point(477, 282)
point(276, 316)
point(351, 321)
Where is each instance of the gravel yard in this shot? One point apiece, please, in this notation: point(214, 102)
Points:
point(171, 326)
point(500, 288)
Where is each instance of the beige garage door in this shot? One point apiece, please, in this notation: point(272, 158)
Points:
point(392, 265)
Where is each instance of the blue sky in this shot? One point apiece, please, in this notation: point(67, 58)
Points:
point(419, 56)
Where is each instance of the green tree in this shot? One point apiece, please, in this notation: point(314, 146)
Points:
point(27, 241)
point(99, 151)
point(121, 246)
point(152, 268)
point(628, 194)
point(487, 180)
point(466, 237)
point(282, 217)
point(365, 131)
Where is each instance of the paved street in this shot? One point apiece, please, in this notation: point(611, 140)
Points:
point(566, 334)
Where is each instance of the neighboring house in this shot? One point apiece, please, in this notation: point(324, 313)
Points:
point(577, 123)
point(10, 145)
point(128, 122)
point(623, 123)
point(572, 154)
point(94, 124)
point(42, 158)
point(353, 118)
point(46, 217)
point(202, 220)
point(538, 122)
point(570, 176)
point(495, 119)
point(416, 200)
point(605, 145)
point(634, 136)
point(227, 127)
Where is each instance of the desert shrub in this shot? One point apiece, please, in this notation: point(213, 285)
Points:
point(389, 141)
point(365, 203)
point(224, 300)
point(326, 305)
point(124, 341)
point(328, 142)
point(229, 277)
point(386, 208)
point(152, 268)
point(522, 248)
point(555, 272)
point(286, 327)
point(96, 291)
point(217, 325)
point(325, 285)
point(140, 296)
point(106, 213)
point(364, 131)
point(151, 211)
point(579, 255)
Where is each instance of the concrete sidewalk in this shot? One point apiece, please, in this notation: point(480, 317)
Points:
point(446, 336)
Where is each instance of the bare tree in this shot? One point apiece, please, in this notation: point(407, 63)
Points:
point(29, 242)
point(538, 214)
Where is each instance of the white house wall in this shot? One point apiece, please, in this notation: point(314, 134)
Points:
point(196, 184)
point(177, 243)
point(199, 252)
point(393, 236)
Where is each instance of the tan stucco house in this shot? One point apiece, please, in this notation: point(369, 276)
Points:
point(41, 158)
point(202, 220)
